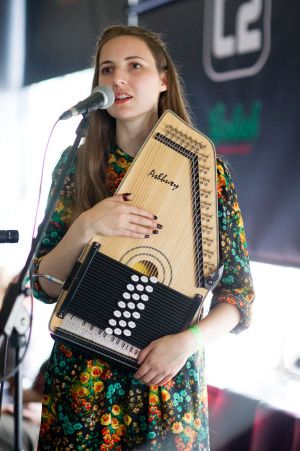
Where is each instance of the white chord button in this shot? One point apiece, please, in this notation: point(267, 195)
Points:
point(136, 315)
point(126, 314)
point(153, 279)
point(109, 331)
point(127, 332)
point(141, 306)
point(126, 295)
point(135, 278)
point(121, 304)
point(145, 297)
point(117, 331)
point(135, 296)
point(130, 287)
point(144, 279)
point(140, 287)
point(122, 323)
point(131, 324)
point(117, 313)
point(112, 322)
point(149, 288)
point(131, 305)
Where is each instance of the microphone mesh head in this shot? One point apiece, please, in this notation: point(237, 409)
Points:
point(106, 91)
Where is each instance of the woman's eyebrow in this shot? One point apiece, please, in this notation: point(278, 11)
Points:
point(127, 58)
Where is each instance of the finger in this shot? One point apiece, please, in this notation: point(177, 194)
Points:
point(142, 230)
point(142, 221)
point(128, 234)
point(121, 197)
point(148, 377)
point(144, 353)
point(141, 212)
point(165, 380)
point(157, 379)
point(141, 372)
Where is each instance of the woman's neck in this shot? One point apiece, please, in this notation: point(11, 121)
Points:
point(130, 135)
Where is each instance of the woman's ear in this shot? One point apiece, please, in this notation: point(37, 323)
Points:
point(164, 81)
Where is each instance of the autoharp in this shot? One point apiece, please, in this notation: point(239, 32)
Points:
point(123, 293)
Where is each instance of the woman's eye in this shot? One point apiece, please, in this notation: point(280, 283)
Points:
point(105, 70)
point(136, 65)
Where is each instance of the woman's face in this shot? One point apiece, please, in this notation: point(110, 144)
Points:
point(128, 67)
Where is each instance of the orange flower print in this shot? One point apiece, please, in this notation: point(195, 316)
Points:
point(115, 423)
point(81, 392)
point(127, 420)
point(153, 399)
point(116, 410)
point(121, 430)
point(220, 168)
point(197, 423)
point(98, 386)
point(46, 399)
point(96, 371)
point(165, 395)
point(105, 419)
point(177, 427)
point(84, 378)
point(111, 158)
point(122, 162)
point(59, 206)
point(187, 417)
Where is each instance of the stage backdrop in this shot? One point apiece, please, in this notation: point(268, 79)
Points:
point(240, 63)
point(61, 34)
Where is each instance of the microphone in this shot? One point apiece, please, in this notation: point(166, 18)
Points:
point(102, 97)
point(9, 236)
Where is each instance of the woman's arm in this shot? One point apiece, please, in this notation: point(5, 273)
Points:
point(232, 299)
point(162, 359)
point(111, 217)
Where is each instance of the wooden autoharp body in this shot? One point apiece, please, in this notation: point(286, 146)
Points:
point(106, 304)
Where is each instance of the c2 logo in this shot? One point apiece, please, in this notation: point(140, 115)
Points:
point(236, 40)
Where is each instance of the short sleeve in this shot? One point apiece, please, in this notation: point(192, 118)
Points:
point(58, 224)
point(235, 286)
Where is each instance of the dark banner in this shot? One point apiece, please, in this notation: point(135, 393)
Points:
point(5, 16)
point(61, 34)
point(240, 63)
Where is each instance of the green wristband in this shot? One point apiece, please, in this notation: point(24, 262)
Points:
point(198, 335)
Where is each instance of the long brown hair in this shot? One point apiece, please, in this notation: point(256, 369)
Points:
point(92, 158)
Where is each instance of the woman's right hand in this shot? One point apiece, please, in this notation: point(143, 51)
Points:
point(114, 216)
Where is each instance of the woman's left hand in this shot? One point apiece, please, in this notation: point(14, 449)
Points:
point(162, 359)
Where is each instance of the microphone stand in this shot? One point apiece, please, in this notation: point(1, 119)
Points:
point(14, 318)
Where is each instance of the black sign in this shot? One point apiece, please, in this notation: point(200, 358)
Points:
point(240, 63)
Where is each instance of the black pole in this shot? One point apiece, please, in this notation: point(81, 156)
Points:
point(18, 342)
point(13, 318)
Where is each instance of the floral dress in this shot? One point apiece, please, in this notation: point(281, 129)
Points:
point(88, 403)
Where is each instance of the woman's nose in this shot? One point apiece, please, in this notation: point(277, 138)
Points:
point(119, 78)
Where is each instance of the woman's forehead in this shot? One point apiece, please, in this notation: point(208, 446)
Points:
point(122, 47)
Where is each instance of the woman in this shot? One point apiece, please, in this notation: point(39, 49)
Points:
point(88, 402)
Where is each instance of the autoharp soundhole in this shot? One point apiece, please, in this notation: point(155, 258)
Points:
point(146, 267)
point(149, 261)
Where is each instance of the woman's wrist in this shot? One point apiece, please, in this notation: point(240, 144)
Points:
point(196, 331)
point(81, 226)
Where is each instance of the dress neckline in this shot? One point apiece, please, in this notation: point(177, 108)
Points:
point(118, 150)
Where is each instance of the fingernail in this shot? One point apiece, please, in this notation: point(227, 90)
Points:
point(147, 236)
point(155, 218)
point(155, 231)
point(159, 226)
point(125, 196)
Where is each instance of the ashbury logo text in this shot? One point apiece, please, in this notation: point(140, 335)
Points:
point(162, 177)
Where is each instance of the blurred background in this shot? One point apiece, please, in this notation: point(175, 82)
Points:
point(240, 64)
